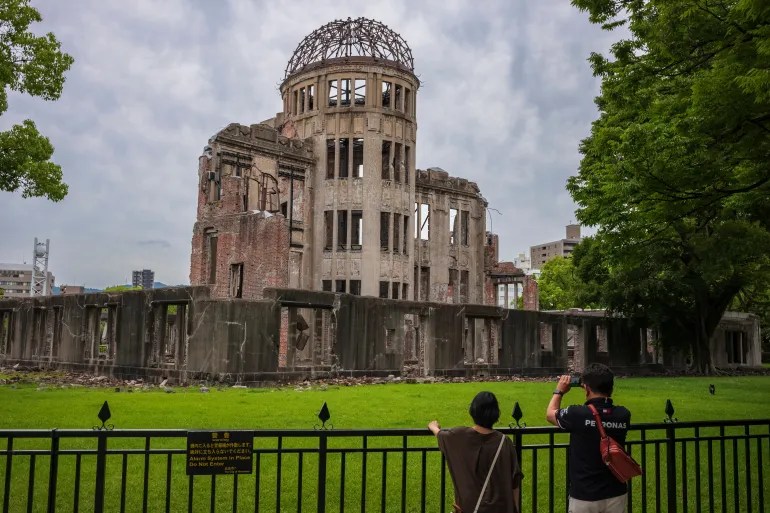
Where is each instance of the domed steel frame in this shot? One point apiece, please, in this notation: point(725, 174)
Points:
point(350, 38)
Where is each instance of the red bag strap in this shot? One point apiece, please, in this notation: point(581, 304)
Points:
point(598, 420)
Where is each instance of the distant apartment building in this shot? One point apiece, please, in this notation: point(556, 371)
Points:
point(144, 278)
point(541, 253)
point(16, 280)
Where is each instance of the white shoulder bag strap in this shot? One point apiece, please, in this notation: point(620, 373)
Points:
point(489, 474)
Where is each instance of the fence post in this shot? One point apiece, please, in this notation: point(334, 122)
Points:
point(101, 459)
point(321, 504)
point(53, 471)
point(671, 492)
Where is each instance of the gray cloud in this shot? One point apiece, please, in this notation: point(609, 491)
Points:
point(507, 95)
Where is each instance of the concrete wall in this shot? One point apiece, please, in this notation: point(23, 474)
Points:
point(185, 335)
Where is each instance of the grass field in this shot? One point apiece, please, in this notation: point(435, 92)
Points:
point(370, 406)
point(380, 406)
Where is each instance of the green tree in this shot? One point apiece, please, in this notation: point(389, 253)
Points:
point(675, 171)
point(34, 65)
point(558, 285)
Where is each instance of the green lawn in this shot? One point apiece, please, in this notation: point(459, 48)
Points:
point(381, 406)
point(371, 406)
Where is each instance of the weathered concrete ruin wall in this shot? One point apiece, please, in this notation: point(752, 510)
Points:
point(185, 335)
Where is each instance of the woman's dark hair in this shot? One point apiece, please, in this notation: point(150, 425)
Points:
point(484, 409)
point(599, 378)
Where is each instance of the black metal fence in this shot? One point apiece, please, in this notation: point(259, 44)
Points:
point(689, 466)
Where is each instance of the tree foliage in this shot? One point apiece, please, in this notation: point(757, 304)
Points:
point(121, 288)
point(558, 285)
point(675, 172)
point(34, 65)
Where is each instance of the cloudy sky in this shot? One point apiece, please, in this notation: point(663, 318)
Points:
point(506, 97)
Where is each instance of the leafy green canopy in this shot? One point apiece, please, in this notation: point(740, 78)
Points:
point(34, 65)
point(675, 172)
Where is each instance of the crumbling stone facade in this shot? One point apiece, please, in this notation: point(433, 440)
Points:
point(335, 170)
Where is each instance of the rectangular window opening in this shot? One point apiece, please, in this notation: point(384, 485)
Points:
point(295, 102)
point(355, 287)
point(453, 225)
point(396, 289)
point(358, 158)
point(386, 160)
point(396, 233)
point(328, 229)
point(212, 258)
point(384, 231)
point(301, 100)
point(424, 222)
point(404, 240)
point(329, 158)
point(342, 229)
point(333, 93)
point(405, 291)
point(463, 286)
point(407, 162)
point(386, 93)
point(344, 153)
point(310, 97)
point(464, 215)
point(360, 91)
point(424, 283)
point(326, 285)
point(345, 92)
point(357, 228)
point(397, 99)
point(407, 101)
point(384, 289)
point(236, 280)
point(339, 286)
point(397, 162)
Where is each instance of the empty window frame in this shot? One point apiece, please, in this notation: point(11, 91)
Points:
point(397, 162)
point(386, 160)
point(295, 102)
point(453, 292)
point(404, 291)
point(301, 105)
point(342, 229)
point(212, 251)
point(422, 227)
point(396, 289)
point(360, 91)
point(407, 162)
point(358, 158)
point(357, 229)
point(236, 280)
point(453, 225)
point(397, 105)
point(326, 285)
point(384, 289)
point(333, 92)
point(345, 92)
point(404, 239)
point(329, 158)
point(464, 215)
point(387, 88)
point(355, 287)
point(310, 97)
point(396, 233)
point(407, 101)
point(384, 231)
point(344, 154)
point(328, 229)
point(339, 286)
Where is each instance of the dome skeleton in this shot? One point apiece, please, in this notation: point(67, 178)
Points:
point(350, 38)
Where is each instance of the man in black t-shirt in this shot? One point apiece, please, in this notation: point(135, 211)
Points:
point(593, 488)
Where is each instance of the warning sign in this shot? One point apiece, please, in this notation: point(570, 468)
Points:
point(219, 452)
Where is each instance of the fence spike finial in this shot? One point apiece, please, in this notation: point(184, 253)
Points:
point(324, 417)
point(517, 415)
point(670, 412)
point(104, 415)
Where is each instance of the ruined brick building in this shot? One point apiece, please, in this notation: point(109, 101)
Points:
point(326, 195)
